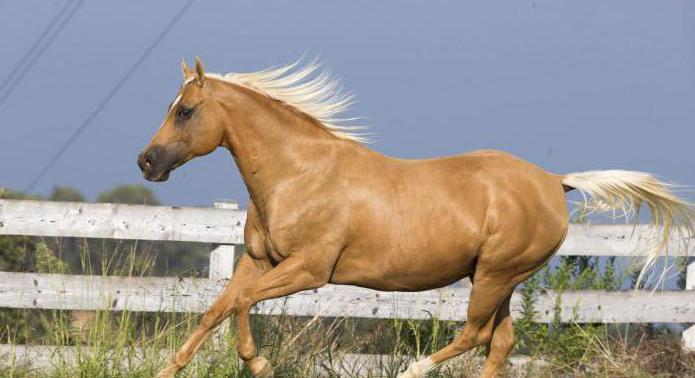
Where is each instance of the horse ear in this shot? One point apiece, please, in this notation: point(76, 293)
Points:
point(187, 71)
point(199, 71)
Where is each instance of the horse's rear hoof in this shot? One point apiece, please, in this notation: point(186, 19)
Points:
point(418, 369)
point(260, 367)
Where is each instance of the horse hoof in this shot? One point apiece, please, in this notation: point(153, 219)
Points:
point(260, 367)
point(417, 369)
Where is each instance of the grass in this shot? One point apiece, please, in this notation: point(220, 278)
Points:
point(132, 344)
point(127, 344)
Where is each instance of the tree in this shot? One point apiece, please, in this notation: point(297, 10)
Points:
point(13, 194)
point(132, 194)
point(66, 193)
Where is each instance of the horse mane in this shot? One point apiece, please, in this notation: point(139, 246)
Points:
point(310, 89)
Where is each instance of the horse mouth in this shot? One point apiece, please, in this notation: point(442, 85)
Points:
point(161, 177)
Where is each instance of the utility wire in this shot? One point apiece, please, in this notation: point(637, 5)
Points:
point(23, 67)
point(109, 96)
point(36, 44)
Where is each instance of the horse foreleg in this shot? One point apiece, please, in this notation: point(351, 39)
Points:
point(223, 306)
point(288, 277)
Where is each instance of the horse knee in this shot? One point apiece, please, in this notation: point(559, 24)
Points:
point(211, 318)
point(484, 336)
point(243, 301)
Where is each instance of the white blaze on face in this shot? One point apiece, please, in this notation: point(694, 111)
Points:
point(178, 98)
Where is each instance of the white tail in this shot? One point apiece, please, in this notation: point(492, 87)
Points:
point(626, 192)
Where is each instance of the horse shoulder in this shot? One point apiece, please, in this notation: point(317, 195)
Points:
point(306, 217)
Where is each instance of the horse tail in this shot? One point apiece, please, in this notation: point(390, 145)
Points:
point(625, 192)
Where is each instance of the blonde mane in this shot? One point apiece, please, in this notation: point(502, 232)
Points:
point(310, 89)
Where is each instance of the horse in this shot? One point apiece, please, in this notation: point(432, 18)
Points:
point(324, 208)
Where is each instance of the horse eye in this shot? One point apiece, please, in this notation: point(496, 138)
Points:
point(184, 112)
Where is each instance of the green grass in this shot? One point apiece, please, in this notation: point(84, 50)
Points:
point(132, 344)
point(127, 344)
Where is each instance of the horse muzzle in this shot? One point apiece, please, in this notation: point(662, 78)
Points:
point(157, 162)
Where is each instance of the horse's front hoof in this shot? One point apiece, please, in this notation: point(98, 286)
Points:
point(260, 367)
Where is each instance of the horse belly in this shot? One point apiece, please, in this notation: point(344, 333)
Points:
point(413, 234)
point(406, 268)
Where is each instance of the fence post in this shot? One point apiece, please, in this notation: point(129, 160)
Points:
point(689, 334)
point(221, 268)
point(222, 263)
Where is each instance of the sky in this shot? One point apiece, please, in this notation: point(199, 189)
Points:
point(568, 85)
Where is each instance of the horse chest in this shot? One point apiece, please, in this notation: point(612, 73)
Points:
point(275, 243)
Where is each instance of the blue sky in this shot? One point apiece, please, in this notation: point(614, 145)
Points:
point(568, 85)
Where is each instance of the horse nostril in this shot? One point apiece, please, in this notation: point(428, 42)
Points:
point(145, 161)
point(148, 159)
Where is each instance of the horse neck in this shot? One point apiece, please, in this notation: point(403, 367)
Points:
point(273, 143)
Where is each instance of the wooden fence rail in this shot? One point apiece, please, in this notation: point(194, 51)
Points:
point(225, 226)
point(169, 294)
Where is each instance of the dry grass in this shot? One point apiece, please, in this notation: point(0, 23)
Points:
point(128, 344)
point(137, 345)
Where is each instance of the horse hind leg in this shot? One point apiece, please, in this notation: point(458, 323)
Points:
point(500, 332)
point(488, 313)
point(502, 341)
point(488, 295)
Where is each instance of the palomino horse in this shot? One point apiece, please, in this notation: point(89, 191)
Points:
point(326, 209)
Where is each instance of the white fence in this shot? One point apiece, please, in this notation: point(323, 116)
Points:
point(225, 226)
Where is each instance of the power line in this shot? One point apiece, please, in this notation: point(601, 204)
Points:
point(21, 70)
point(36, 44)
point(88, 120)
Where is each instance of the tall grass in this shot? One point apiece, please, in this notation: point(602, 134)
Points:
point(135, 344)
